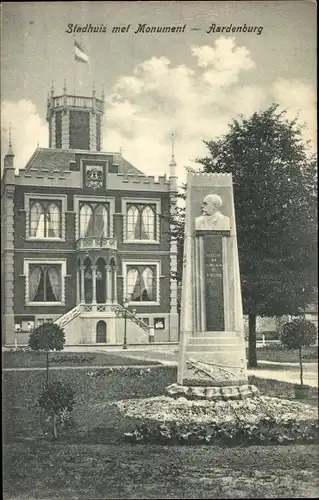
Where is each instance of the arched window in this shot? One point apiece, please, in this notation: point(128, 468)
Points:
point(37, 220)
point(53, 220)
point(86, 220)
point(147, 289)
point(133, 216)
point(133, 284)
point(94, 220)
point(45, 219)
point(140, 222)
point(148, 223)
point(140, 284)
point(101, 221)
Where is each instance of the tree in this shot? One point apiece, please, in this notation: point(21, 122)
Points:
point(58, 400)
point(274, 178)
point(176, 232)
point(297, 334)
point(47, 337)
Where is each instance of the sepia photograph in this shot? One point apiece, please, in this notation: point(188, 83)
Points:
point(159, 249)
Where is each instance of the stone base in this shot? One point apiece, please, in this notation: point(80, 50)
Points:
point(212, 393)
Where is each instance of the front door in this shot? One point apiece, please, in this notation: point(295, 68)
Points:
point(101, 332)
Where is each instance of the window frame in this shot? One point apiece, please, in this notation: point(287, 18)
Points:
point(110, 201)
point(138, 263)
point(105, 205)
point(146, 202)
point(26, 269)
point(29, 198)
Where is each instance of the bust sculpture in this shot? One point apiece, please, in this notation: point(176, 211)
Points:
point(212, 218)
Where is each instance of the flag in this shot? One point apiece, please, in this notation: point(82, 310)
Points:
point(79, 54)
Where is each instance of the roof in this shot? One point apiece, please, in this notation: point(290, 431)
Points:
point(60, 159)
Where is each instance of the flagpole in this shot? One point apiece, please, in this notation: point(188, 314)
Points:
point(75, 76)
point(81, 57)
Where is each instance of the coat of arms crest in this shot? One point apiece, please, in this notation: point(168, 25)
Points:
point(94, 176)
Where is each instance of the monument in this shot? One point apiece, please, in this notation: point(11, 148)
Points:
point(212, 353)
point(212, 400)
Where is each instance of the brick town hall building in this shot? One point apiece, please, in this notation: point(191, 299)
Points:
point(84, 232)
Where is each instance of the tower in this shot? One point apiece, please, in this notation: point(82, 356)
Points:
point(75, 122)
point(7, 239)
point(173, 245)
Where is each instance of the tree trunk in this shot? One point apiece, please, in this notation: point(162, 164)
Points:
point(47, 368)
point(55, 432)
point(301, 370)
point(252, 350)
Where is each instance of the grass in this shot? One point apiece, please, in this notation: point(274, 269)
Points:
point(278, 354)
point(94, 388)
point(284, 390)
point(48, 470)
point(91, 461)
point(11, 359)
point(20, 390)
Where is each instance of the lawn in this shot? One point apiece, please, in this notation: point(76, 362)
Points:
point(94, 388)
point(91, 461)
point(277, 353)
point(48, 470)
point(11, 359)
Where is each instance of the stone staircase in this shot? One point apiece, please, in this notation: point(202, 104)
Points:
point(63, 320)
point(120, 312)
point(80, 323)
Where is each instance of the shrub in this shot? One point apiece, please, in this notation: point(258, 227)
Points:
point(251, 421)
point(267, 431)
point(297, 334)
point(47, 337)
point(58, 400)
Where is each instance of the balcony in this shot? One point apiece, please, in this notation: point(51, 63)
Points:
point(92, 242)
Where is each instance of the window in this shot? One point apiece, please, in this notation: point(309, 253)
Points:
point(45, 283)
point(94, 220)
point(45, 219)
point(140, 222)
point(141, 283)
point(24, 323)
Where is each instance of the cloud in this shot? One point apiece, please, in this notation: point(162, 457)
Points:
point(195, 103)
point(299, 98)
point(28, 127)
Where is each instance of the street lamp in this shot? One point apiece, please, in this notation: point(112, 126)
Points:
point(125, 305)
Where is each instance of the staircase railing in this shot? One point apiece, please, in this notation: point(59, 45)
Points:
point(67, 317)
point(121, 311)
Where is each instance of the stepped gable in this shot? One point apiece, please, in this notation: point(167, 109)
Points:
point(58, 160)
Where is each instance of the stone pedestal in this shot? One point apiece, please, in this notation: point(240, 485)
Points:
point(212, 343)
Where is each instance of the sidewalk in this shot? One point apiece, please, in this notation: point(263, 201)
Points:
point(279, 373)
point(170, 358)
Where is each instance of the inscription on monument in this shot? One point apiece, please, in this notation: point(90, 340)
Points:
point(214, 296)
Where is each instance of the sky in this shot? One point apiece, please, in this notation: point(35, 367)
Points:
point(190, 84)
